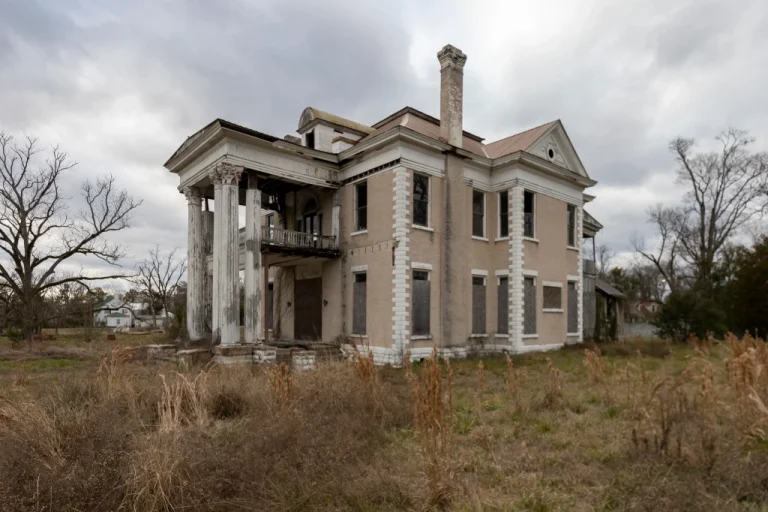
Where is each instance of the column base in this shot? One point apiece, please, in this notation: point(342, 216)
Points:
point(303, 360)
point(233, 354)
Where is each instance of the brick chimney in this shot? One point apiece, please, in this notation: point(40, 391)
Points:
point(452, 62)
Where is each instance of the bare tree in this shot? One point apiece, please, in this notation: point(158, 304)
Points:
point(603, 258)
point(666, 256)
point(159, 276)
point(37, 233)
point(726, 189)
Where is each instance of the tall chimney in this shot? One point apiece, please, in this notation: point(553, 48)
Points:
point(452, 62)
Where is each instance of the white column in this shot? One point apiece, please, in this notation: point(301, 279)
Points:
point(254, 320)
point(195, 265)
point(516, 292)
point(216, 298)
point(335, 218)
point(225, 255)
point(580, 289)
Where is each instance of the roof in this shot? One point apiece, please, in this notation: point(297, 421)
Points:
point(591, 225)
point(518, 142)
point(608, 289)
point(311, 113)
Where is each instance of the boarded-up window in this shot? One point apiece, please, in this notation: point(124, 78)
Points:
point(553, 297)
point(503, 305)
point(573, 309)
point(359, 304)
point(270, 293)
point(361, 208)
point(529, 218)
point(420, 199)
point(571, 225)
point(478, 305)
point(478, 213)
point(420, 305)
point(503, 214)
point(529, 309)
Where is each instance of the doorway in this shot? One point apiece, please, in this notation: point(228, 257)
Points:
point(308, 312)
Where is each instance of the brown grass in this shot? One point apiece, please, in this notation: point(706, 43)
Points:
point(681, 431)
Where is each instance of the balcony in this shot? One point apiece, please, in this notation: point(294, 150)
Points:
point(285, 240)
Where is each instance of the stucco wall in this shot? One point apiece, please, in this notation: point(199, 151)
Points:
point(554, 261)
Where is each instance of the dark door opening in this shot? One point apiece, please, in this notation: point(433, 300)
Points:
point(308, 313)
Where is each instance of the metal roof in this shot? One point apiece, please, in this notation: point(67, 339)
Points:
point(608, 289)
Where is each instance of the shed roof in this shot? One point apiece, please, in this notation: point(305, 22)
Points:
point(608, 289)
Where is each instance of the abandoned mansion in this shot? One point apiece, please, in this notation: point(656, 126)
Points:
point(393, 237)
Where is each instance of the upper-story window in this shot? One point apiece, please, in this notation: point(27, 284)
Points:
point(420, 199)
point(361, 206)
point(503, 214)
point(310, 137)
point(571, 226)
point(529, 214)
point(478, 214)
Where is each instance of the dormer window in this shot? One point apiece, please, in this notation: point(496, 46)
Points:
point(310, 138)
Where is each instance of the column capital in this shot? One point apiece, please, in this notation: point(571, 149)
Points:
point(194, 195)
point(227, 174)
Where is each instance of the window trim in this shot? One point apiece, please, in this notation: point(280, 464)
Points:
point(572, 231)
point(499, 236)
point(359, 230)
point(552, 284)
point(479, 274)
point(356, 271)
point(421, 267)
point(534, 202)
point(484, 236)
point(499, 277)
point(429, 201)
point(575, 280)
point(533, 275)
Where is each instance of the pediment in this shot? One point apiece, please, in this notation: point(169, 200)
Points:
point(555, 146)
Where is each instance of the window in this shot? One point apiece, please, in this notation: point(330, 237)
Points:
point(361, 206)
point(270, 222)
point(420, 306)
point(503, 306)
point(270, 298)
point(553, 298)
point(478, 214)
point(529, 305)
point(573, 308)
point(503, 214)
point(478, 305)
point(311, 139)
point(359, 303)
point(420, 200)
point(571, 226)
point(529, 220)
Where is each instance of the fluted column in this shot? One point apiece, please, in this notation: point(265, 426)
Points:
point(225, 255)
point(207, 309)
point(195, 265)
point(254, 319)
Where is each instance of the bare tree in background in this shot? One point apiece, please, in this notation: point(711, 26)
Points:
point(725, 190)
point(603, 259)
point(666, 256)
point(159, 276)
point(37, 232)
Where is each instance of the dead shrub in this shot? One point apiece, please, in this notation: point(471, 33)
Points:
point(433, 426)
point(553, 392)
point(183, 402)
point(281, 383)
point(513, 378)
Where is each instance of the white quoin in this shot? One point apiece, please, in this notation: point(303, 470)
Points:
point(196, 266)
point(254, 321)
point(225, 256)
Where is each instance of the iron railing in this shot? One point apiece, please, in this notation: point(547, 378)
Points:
point(296, 239)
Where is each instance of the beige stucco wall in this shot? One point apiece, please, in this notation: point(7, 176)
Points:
point(553, 261)
point(373, 249)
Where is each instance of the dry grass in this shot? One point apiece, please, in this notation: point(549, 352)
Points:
point(682, 428)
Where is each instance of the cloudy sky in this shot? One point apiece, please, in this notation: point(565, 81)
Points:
point(119, 85)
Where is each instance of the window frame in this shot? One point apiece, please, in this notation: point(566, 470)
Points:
point(505, 217)
point(571, 228)
point(535, 280)
point(427, 225)
point(499, 324)
point(309, 136)
point(355, 275)
point(575, 282)
point(531, 236)
point(358, 227)
point(482, 236)
point(551, 284)
point(484, 326)
point(428, 334)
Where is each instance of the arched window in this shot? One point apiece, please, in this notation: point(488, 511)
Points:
point(310, 206)
point(311, 220)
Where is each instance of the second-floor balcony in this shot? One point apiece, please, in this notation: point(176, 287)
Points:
point(288, 241)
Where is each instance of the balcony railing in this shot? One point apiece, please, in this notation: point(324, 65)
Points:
point(590, 268)
point(285, 238)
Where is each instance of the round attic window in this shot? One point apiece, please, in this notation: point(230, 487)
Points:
point(551, 153)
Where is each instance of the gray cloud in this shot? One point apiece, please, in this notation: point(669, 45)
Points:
point(120, 85)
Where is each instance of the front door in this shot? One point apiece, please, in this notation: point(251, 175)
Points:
point(308, 313)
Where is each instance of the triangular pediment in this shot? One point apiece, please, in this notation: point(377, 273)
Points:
point(555, 146)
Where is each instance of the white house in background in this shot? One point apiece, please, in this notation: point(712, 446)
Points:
point(114, 313)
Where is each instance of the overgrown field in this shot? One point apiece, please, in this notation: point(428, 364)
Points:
point(641, 426)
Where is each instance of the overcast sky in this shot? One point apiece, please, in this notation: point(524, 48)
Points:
point(119, 85)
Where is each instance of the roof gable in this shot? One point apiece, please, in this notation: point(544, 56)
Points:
point(518, 142)
point(554, 145)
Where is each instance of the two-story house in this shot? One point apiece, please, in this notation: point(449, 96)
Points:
point(397, 235)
